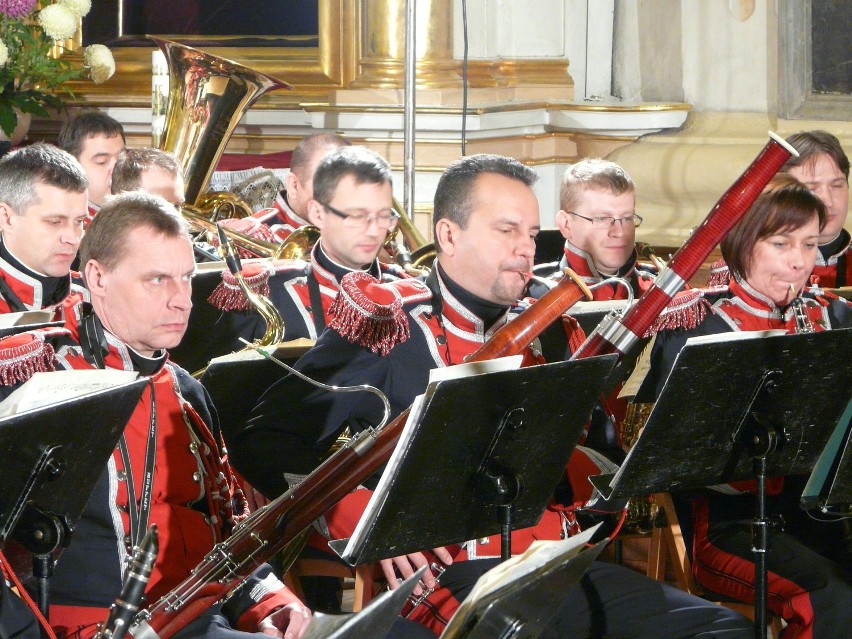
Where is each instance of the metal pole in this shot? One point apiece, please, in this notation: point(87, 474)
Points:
point(410, 75)
point(119, 31)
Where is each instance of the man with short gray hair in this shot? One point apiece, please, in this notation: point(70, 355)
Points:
point(42, 211)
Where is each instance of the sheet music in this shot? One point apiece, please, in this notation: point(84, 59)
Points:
point(507, 573)
point(55, 387)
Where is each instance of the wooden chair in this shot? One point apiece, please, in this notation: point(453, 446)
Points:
point(667, 542)
point(364, 589)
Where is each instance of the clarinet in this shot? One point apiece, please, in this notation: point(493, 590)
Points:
point(126, 606)
point(800, 315)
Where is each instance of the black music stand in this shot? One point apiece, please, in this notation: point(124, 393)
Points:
point(740, 406)
point(52, 458)
point(522, 606)
point(375, 620)
point(829, 488)
point(236, 385)
point(482, 455)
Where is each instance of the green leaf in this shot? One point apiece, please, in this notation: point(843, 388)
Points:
point(8, 120)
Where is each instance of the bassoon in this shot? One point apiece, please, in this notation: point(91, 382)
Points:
point(618, 335)
point(271, 528)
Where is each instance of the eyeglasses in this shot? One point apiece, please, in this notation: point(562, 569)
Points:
point(606, 221)
point(360, 221)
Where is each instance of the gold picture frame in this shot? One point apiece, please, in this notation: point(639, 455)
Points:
point(313, 71)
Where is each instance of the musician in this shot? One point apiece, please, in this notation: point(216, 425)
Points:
point(597, 218)
point(771, 253)
point(150, 170)
point(96, 140)
point(823, 167)
point(291, 208)
point(42, 210)
point(138, 265)
point(353, 210)
point(485, 224)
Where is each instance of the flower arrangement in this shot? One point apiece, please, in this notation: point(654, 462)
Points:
point(30, 77)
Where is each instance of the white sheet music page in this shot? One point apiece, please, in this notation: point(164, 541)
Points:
point(55, 387)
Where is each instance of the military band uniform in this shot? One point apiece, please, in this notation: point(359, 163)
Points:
point(221, 313)
point(808, 590)
point(17, 621)
point(603, 432)
point(172, 438)
point(443, 324)
point(833, 267)
point(22, 289)
point(281, 219)
point(638, 275)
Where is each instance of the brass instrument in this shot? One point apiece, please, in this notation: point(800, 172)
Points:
point(208, 96)
point(647, 251)
point(274, 322)
point(297, 246)
point(414, 254)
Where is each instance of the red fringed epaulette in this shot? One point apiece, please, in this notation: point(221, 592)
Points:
point(686, 310)
point(228, 296)
point(720, 275)
point(23, 355)
point(369, 313)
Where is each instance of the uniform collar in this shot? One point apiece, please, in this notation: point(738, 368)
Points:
point(582, 264)
point(462, 308)
point(829, 253)
point(328, 272)
point(34, 290)
point(286, 214)
point(86, 328)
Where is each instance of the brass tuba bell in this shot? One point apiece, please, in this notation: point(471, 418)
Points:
point(208, 96)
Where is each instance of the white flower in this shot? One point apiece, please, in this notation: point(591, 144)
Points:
point(4, 53)
point(80, 7)
point(58, 21)
point(100, 63)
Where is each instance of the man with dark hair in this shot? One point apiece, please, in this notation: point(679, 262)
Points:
point(138, 265)
point(42, 210)
point(96, 140)
point(150, 170)
point(823, 167)
point(352, 207)
point(390, 335)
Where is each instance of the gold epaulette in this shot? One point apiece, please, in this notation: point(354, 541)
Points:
point(370, 313)
point(686, 310)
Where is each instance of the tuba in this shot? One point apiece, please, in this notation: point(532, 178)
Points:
point(208, 96)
